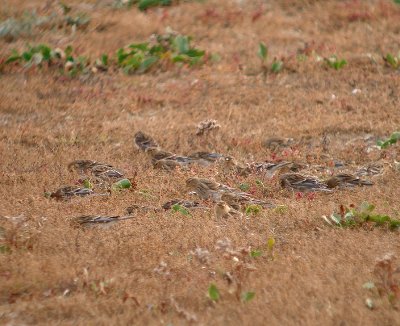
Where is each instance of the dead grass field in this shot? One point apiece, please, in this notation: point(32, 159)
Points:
point(141, 271)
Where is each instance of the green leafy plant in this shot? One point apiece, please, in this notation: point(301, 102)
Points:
point(247, 296)
point(253, 209)
point(392, 60)
point(146, 4)
point(262, 53)
point(335, 63)
point(87, 184)
point(280, 209)
point(394, 137)
point(350, 217)
point(167, 48)
point(213, 292)
point(35, 55)
point(163, 50)
point(141, 4)
point(276, 66)
point(121, 184)
point(271, 247)
point(255, 253)
point(42, 54)
point(271, 243)
point(244, 186)
point(180, 209)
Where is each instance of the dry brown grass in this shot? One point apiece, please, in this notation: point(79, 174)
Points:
point(58, 274)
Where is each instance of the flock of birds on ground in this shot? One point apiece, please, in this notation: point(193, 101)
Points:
point(227, 201)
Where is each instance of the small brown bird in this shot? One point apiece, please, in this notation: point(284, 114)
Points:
point(68, 192)
point(185, 203)
point(275, 143)
point(142, 209)
point(167, 164)
point(92, 220)
point(223, 210)
point(206, 126)
point(231, 165)
point(297, 181)
point(205, 158)
point(270, 168)
point(99, 170)
point(371, 169)
point(158, 154)
point(81, 165)
point(143, 141)
point(105, 171)
point(206, 189)
point(237, 199)
point(345, 180)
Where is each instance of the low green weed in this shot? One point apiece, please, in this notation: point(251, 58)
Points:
point(394, 137)
point(351, 217)
point(262, 53)
point(169, 48)
point(335, 63)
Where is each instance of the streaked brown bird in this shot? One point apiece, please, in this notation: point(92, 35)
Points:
point(299, 182)
point(158, 154)
point(81, 165)
point(106, 171)
point(205, 158)
point(237, 199)
point(270, 168)
point(205, 188)
point(223, 210)
point(345, 180)
point(167, 164)
point(143, 141)
point(275, 143)
point(99, 170)
point(93, 220)
point(371, 169)
point(68, 192)
point(206, 126)
point(185, 203)
point(231, 165)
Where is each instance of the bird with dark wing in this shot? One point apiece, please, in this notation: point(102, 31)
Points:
point(98, 170)
point(105, 171)
point(144, 141)
point(82, 166)
point(345, 180)
point(68, 192)
point(168, 164)
point(207, 126)
point(238, 199)
point(156, 153)
point(229, 165)
point(205, 158)
point(275, 143)
point(371, 169)
point(184, 203)
point(299, 182)
point(270, 168)
point(206, 188)
point(93, 220)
